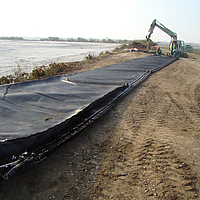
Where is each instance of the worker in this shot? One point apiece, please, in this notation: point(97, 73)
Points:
point(176, 52)
point(172, 48)
point(158, 51)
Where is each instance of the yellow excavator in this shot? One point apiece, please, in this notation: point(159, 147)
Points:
point(179, 44)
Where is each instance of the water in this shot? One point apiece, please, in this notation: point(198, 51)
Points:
point(30, 54)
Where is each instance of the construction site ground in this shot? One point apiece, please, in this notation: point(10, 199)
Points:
point(146, 147)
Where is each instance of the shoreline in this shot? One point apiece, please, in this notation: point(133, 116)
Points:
point(53, 69)
point(31, 54)
point(56, 68)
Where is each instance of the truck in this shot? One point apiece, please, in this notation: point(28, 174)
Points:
point(180, 44)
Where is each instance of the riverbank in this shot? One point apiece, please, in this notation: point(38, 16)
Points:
point(54, 69)
point(24, 56)
point(146, 147)
point(40, 59)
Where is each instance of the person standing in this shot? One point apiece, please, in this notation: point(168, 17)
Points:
point(172, 48)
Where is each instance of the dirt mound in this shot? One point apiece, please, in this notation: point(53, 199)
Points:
point(133, 45)
point(137, 45)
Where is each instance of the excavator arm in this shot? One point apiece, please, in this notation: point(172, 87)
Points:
point(162, 27)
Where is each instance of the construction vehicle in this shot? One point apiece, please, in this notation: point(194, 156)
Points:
point(179, 44)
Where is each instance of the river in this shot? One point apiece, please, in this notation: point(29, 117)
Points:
point(30, 54)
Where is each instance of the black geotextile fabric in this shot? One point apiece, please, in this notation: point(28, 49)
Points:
point(37, 116)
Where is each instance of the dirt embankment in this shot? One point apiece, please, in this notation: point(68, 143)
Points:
point(146, 147)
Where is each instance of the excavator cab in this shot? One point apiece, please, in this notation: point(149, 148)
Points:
point(180, 48)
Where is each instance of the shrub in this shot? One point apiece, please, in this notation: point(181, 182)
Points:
point(89, 57)
point(4, 80)
point(38, 72)
point(55, 68)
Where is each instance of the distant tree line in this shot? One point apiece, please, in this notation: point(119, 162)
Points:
point(79, 39)
point(11, 38)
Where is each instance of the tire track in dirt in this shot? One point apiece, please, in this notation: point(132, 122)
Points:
point(149, 156)
point(163, 175)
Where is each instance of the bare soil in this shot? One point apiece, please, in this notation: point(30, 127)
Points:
point(145, 147)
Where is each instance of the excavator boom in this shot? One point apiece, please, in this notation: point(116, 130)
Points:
point(162, 27)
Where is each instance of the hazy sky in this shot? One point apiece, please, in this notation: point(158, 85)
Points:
point(116, 19)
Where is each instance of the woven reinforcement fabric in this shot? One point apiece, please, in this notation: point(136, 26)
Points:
point(37, 116)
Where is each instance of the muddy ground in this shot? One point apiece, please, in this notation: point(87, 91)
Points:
point(146, 147)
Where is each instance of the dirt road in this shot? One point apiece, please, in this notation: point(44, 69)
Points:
point(146, 147)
